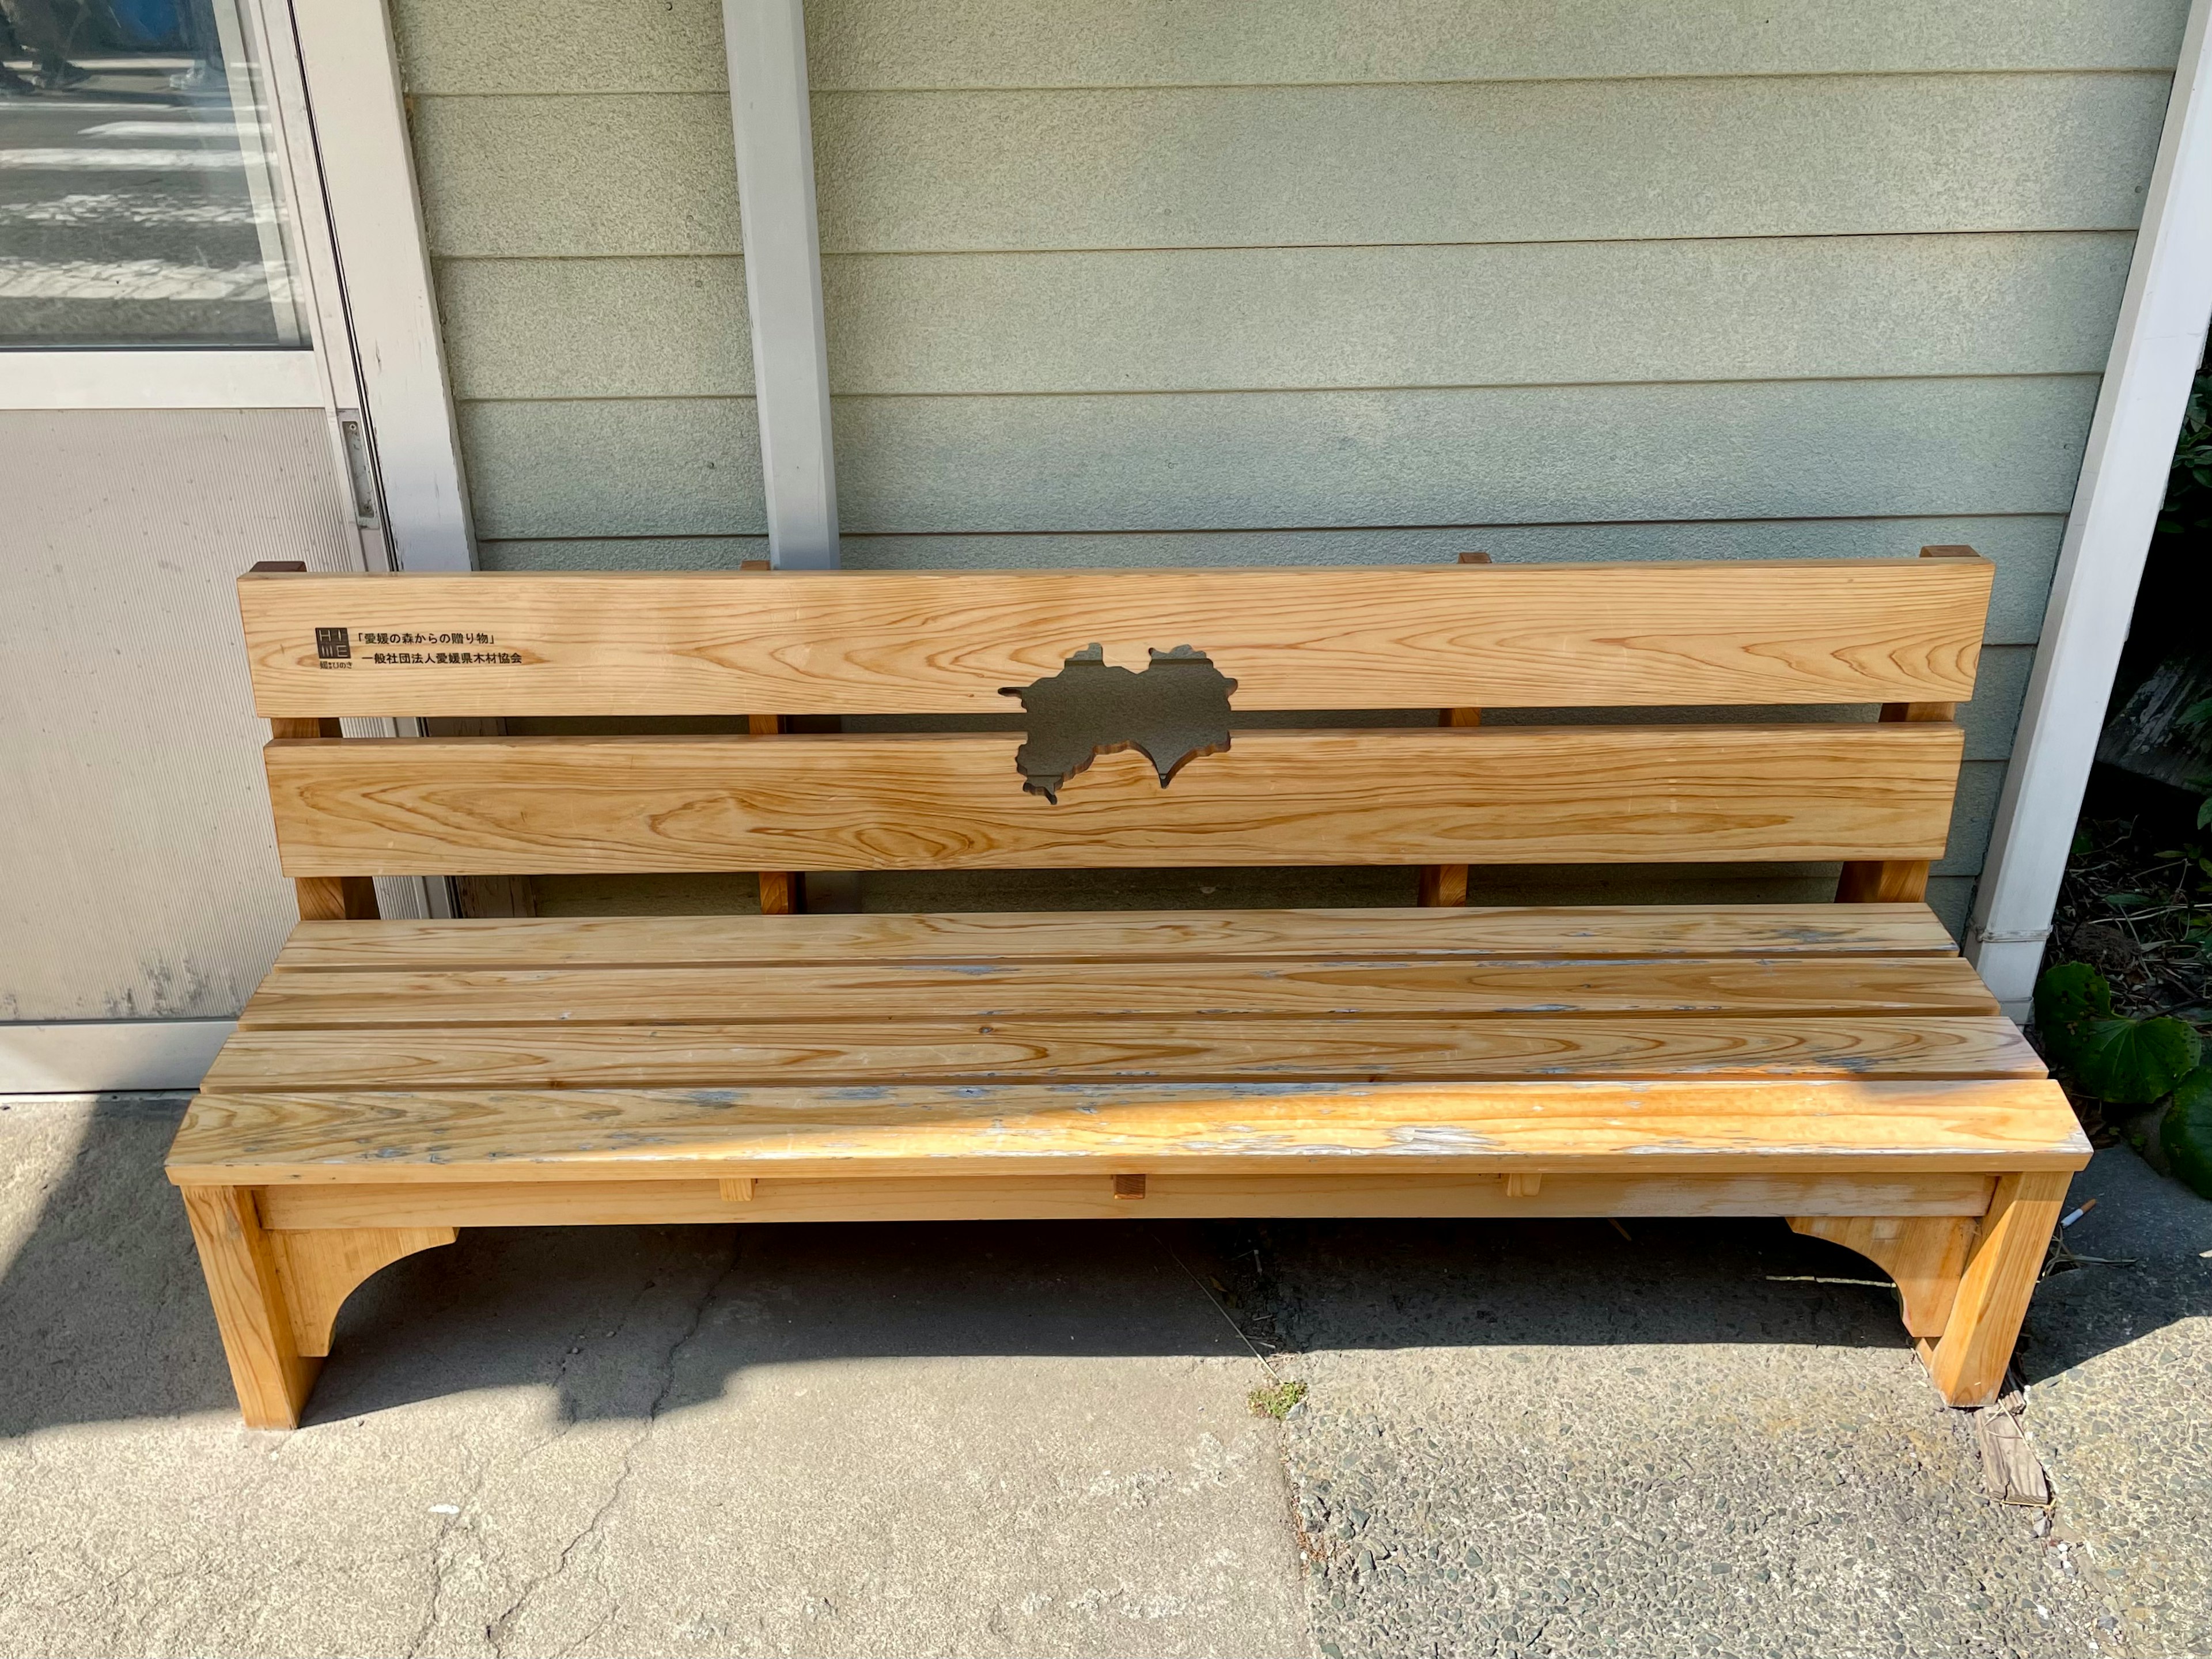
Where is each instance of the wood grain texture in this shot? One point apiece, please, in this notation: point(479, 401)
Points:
point(1490, 795)
point(947, 641)
point(319, 1270)
point(1519, 930)
point(1088, 1197)
point(1146, 990)
point(1896, 881)
point(1180, 1050)
point(1925, 1257)
point(1231, 1128)
point(272, 1375)
point(326, 898)
point(1968, 1363)
point(336, 898)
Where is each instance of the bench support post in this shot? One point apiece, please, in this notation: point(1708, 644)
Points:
point(1969, 1362)
point(1899, 881)
point(327, 898)
point(1444, 885)
point(272, 1375)
point(277, 1295)
point(1964, 1282)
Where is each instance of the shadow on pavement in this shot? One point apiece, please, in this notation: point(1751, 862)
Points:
point(105, 1317)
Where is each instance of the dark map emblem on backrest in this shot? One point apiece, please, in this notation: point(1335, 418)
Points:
point(1176, 708)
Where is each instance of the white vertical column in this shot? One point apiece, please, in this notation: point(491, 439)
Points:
point(767, 45)
point(360, 131)
point(2154, 355)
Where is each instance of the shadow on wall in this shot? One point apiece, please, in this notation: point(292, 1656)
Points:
point(105, 1319)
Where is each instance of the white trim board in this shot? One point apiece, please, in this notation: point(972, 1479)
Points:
point(770, 116)
point(2155, 350)
point(162, 379)
point(360, 132)
point(106, 1056)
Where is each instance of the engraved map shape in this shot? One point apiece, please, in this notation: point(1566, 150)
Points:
point(1176, 709)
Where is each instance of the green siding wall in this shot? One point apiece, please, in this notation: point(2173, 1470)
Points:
point(1144, 282)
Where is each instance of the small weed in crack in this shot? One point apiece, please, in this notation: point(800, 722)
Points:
point(1277, 1400)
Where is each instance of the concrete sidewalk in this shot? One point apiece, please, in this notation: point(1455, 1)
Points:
point(1034, 1439)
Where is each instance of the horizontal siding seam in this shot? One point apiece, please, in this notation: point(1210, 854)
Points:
point(1305, 391)
point(2103, 71)
point(2099, 231)
point(1420, 388)
point(829, 253)
point(1297, 530)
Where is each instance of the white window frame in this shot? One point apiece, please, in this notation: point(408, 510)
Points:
point(317, 374)
point(90, 378)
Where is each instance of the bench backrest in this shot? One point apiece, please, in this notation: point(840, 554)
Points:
point(1903, 634)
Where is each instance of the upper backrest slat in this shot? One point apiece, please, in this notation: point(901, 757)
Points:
point(858, 643)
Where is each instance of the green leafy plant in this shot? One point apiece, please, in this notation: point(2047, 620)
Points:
point(2186, 1136)
point(1277, 1400)
point(2189, 487)
point(2128, 1063)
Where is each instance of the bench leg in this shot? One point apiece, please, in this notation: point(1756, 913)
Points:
point(1964, 1281)
point(1969, 1362)
point(277, 1295)
point(272, 1375)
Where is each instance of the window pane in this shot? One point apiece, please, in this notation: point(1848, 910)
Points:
point(140, 200)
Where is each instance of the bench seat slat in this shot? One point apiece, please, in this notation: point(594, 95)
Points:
point(659, 996)
point(1648, 1127)
point(939, 1051)
point(857, 642)
point(1629, 929)
point(1390, 795)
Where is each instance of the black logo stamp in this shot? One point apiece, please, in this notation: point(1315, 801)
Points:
point(332, 643)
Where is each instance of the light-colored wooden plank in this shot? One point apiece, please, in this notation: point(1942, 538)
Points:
point(1924, 1255)
point(1896, 881)
point(1642, 1127)
point(1087, 1197)
point(267, 1368)
point(319, 1270)
point(948, 642)
point(2011, 1472)
point(982, 991)
point(1493, 795)
point(1548, 931)
point(1968, 1364)
point(326, 898)
point(1412, 1049)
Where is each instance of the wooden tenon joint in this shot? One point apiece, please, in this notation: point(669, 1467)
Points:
point(782, 892)
point(1444, 885)
point(1899, 881)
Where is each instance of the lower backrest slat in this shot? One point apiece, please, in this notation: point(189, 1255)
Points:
point(1482, 795)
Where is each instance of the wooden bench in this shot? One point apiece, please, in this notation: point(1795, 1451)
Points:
point(1839, 1065)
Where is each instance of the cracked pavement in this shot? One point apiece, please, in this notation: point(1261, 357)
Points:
point(1033, 1439)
